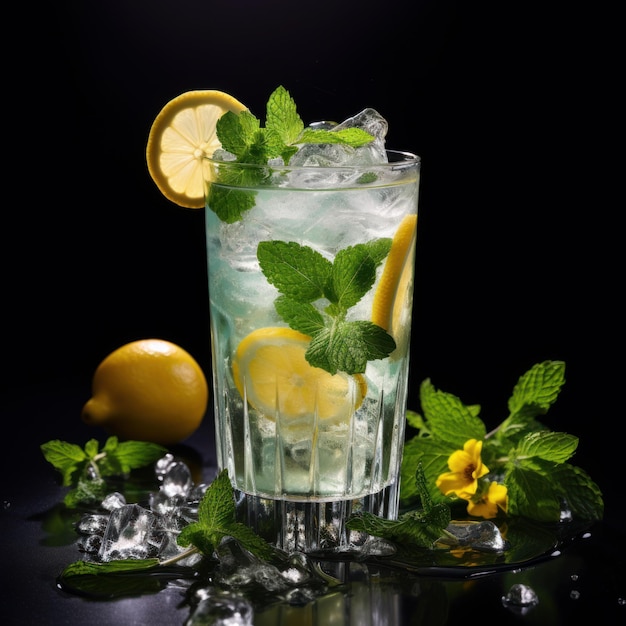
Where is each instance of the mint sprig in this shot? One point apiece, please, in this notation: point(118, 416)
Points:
point(303, 276)
point(522, 453)
point(250, 143)
point(86, 469)
point(415, 528)
point(217, 519)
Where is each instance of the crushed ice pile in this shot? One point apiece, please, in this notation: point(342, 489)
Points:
point(132, 531)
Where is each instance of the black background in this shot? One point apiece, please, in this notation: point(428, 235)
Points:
point(508, 104)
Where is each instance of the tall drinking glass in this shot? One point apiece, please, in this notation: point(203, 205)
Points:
point(311, 288)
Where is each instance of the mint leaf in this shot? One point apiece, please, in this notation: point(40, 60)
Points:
point(216, 520)
point(432, 456)
point(122, 458)
point(415, 420)
point(89, 490)
point(242, 135)
point(282, 116)
point(348, 346)
point(86, 469)
point(67, 458)
point(303, 317)
point(115, 579)
point(547, 445)
point(302, 275)
point(354, 271)
point(237, 132)
point(353, 137)
point(521, 453)
point(448, 419)
point(581, 495)
point(411, 529)
point(531, 493)
point(230, 204)
point(296, 271)
point(414, 528)
point(537, 389)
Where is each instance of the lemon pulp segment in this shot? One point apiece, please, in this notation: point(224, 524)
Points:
point(273, 375)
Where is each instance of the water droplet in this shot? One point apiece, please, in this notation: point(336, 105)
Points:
point(520, 599)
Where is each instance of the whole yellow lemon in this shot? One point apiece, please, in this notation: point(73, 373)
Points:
point(148, 390)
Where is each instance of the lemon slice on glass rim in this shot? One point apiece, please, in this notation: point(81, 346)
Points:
point(272, 374)
point(396, 283)
point(182, 134)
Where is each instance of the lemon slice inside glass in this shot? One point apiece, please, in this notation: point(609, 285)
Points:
point(396, 283)
point(182, 134)
point(272, 374)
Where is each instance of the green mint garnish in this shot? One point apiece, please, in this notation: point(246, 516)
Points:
point(521, 453)
point(242, 135)
point(303, 276)
point(86, 469)
point(413, 528)
point(216, 520)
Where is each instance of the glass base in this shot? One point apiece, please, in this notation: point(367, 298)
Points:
point(311, 526)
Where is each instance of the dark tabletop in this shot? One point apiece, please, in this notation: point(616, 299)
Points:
point(584, 578)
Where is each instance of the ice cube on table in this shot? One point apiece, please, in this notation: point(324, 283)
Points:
point(127, 534)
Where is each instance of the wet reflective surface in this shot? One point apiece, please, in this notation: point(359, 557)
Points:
point(548, 576)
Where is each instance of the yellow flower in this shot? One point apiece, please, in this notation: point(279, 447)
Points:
point(466, 468)
point(487, 504)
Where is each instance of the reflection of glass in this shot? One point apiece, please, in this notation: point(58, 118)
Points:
point(306, 447)
point(365, 600)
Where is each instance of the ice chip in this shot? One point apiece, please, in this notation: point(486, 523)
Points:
point(322, 155)
point(177, 480)
point(167, 506)
point(483, 535)
point(113, 501)
point(316, 155)
point(369, 120)
point(90, 544)
point(127, 534)
point(91, 524)
point(520, 599)
point(162, 465)
point(221, 609)
point(372, 122)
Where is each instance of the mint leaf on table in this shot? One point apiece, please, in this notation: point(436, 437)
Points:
point(412, 529)
point(303, 276)
point(68, 458)
point(87, 468)
point(521, 453)
point(216, 520)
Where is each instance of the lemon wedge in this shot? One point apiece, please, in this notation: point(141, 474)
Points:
point(182, 134)
point(396, 282)
point(272, 374)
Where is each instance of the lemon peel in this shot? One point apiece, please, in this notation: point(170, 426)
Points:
point(396, 281)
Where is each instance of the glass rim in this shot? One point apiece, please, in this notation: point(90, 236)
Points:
point(398, 159)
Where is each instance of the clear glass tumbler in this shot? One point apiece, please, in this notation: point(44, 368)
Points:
point(311, 290)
